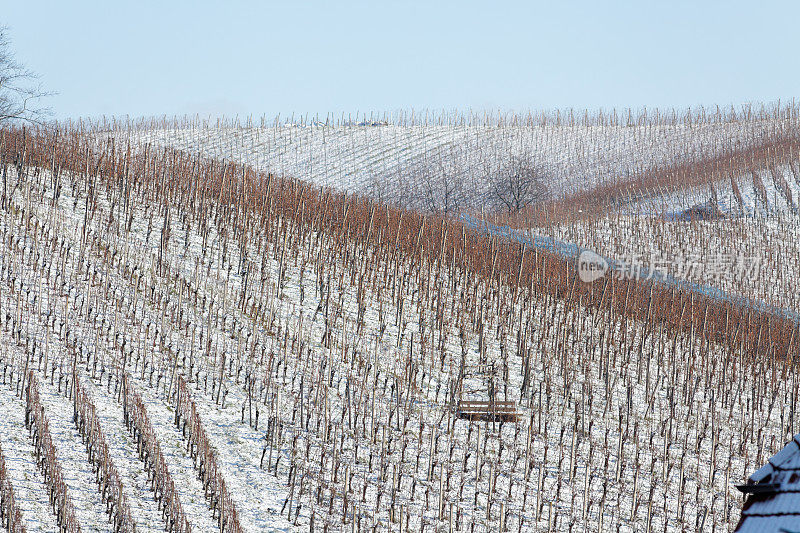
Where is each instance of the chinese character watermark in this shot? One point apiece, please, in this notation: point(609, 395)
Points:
point(691, 267)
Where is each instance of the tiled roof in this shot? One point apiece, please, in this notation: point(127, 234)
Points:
point(773, 503)
point(759, 524)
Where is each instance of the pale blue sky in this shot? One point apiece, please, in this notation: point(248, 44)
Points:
point(265, 58)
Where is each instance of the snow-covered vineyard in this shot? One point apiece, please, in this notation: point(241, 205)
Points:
point(754, 199)
point(447, 162)
point(244, 362)
point(747, 246)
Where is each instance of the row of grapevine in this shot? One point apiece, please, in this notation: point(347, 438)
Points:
point(108, 479)
point(10, 516)
point(188, 420)
point(166, 492)
point(46, 458)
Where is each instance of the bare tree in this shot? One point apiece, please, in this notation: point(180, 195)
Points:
point(440, 183)
point(434, 182)
point(519, 183)
point(20, 91)
point(447, 180)
point(439, 189)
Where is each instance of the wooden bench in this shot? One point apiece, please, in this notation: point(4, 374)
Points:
point(498, 411)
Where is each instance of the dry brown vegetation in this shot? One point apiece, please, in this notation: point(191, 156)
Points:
point(778, 150)
point(639, 404)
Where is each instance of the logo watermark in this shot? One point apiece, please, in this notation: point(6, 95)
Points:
point(591, 266)
point(691, 267)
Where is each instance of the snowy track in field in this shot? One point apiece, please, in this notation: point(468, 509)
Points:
point(29, 487)
point(71, 452)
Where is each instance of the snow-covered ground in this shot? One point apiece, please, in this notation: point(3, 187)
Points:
point(763, 193)
point(400, 163)
point(29, 488)
point(346, 357)
point(389, 160)
point(747, 248)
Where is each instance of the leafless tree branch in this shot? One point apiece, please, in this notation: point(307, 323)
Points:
point(20, 91)
point(520, 182)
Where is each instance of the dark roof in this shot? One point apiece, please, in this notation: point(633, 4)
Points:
point(773, 502)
